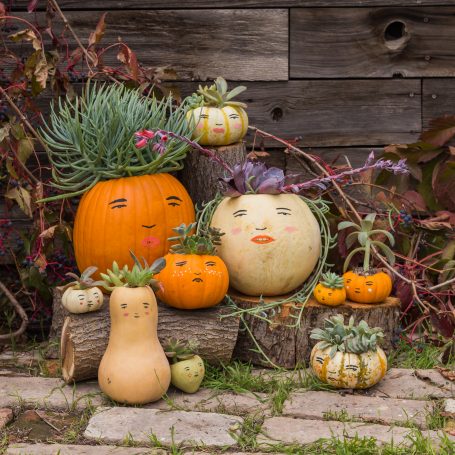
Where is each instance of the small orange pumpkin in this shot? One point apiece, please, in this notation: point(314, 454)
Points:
point(330, 291)
point(367, 287)
point(130, 213)
point(193, 277)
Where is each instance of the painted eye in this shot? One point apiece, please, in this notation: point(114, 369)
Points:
point(174, 201)
point(351, 367)
point(210, 264)
point(369, 283)
point(146, 305)
point(320, 360)
point(187, 368)
point(181, 263)
point(203, 116)
point(239, 213)
point(283, 213)
point(123, 305)
point(349, 280)
point(234, 116)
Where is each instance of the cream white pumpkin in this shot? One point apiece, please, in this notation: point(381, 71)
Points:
point(134, 368)
point(219, 125)
point(77, 300)
point(347, 370)
point(271, 242)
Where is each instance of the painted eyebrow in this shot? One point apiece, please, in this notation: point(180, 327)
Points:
point(204, 116)
point(117, 200)
point(234, 115)
point(282, 208)
point(181, 263)
point(123, 305)
point(238, 211)
point(170, 198)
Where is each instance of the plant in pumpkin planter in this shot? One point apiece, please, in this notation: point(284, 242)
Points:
point(187, 368)
point(348, 356)
point(330, 290)
point(194, 277)
point(82, 295)
point(134, 368)
point(218, 119)
point(130, 201)
point(367, 285)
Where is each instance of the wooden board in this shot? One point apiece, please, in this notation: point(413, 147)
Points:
point(288, 346)
point(360, 42)
point(239, 44)
point(438, 99)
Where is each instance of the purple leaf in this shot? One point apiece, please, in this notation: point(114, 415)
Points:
point(32, 6)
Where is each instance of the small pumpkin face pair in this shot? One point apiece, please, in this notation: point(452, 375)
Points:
point(77, 300)
point(187, 375)
point(373, 288)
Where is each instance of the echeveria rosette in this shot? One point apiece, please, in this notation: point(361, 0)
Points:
point(203, 243)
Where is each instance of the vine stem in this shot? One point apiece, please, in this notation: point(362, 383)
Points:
point(19, 310)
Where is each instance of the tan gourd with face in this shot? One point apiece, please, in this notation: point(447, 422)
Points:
point(271, 242)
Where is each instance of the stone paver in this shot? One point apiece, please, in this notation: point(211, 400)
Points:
point(317, 405)
point(449, 408)
point(62, 449)
point(6, 415)
point(199, 428)
point(298, 431)
point(403, 383)
point(435, 377)
point(48, 393)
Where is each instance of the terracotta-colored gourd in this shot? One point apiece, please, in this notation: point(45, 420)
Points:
point(367, 288)
point(330, 291)
point(219, 120)
point(134, 368)
point(83, 295)
point(136, 213)
point(348, 356)
point(194, 277)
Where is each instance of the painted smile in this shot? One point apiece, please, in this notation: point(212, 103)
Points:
point(262, 239)
point(197, 280)
point(150, 242)
point(218, 130)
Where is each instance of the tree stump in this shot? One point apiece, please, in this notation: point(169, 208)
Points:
point(200, 175)
point(289, 346)
point(84, 337)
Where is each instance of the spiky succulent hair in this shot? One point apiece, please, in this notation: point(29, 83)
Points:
point(204, 242)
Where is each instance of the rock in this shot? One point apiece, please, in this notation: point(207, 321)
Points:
point(436, 378)
point(298, 431)
point(50, 393)
point(169, 427)
point(403, 383)
point(6, 415)
point(449, 408)
point(319, 405)
point(61, 449)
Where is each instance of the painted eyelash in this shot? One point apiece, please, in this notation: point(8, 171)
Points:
point(283, 213)
point(123, 305)
point(179, 264)
point(239, 214)
point(210, 264)
point(204, 116)
point(174, 204)
point(118, 206)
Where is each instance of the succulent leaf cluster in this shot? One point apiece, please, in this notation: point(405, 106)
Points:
point(85, 280)
point(347, 338)
point(91, 138)
point(217, 95)
point(332, 280)
point(178, 350)
point(204, 243)
point(364, 233)
point(139, 276)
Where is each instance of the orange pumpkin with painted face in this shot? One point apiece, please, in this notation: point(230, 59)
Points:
point(193, 277)
point(131, 213)
point(367, 288)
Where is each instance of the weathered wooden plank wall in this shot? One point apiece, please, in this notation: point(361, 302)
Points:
point(346, 76)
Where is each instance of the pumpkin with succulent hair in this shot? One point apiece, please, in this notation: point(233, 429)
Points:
point(194, 276)
point(330, 290)
point(218, 119)
point(348, 356)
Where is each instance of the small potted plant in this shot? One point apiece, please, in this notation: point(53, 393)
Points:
point(348, 356)
point(187, 368)
point(82, 295)
point(194, 277)
point(330, 290)
point(365, 284)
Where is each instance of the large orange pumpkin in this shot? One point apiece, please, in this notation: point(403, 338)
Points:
point(193, 281)
point(131, 213)
point(367, 288)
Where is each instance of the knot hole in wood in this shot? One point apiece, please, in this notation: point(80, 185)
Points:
point(396, 35)
point(277, 114)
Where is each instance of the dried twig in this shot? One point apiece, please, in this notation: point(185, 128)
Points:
point(19, 310)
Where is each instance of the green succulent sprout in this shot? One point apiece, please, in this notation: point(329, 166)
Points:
point(217, 95)
point(363, 233)
point(204, 243)
point(85, 280)
point(347, 338)
point(332, 280)
point(139, 276)
point(178, 350)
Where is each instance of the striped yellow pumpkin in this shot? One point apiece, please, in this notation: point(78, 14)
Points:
point(347, 370)
point(219, 125)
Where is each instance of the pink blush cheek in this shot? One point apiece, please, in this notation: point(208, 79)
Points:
point(238, 126)
point(236, 231)
point(147, 312)
point(125, 314)
point(290, 229)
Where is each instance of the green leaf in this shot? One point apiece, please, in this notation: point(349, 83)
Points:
point(25, 149)
point(386, 250)
point(348, 224)
point(235, 91)
point(23, 199)
point(350, 256)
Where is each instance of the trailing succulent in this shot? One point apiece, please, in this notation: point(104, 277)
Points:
point(204, 243)
point(85, 281)
point(347, 338)
point(217, 95)
point(178, 350)
point(139, 276)
point(332, 280)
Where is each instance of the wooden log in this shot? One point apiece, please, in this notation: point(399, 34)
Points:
point(289, 346)
point(84, 337)
point(200, 176)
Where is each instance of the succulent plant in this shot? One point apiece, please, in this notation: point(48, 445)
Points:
point(85, 280)
point(178, 350)
point(139, 276)
point(363, 233)
point(204, 243)
point(217, 95)
point(347, 338)
point(332, 280)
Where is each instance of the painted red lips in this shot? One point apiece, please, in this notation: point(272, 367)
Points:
point(262, 239)
point(218, 130)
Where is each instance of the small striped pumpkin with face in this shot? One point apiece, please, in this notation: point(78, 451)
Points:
point(217, 119)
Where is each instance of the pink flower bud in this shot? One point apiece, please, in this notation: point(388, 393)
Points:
point(141, 143)
point(149, 134)
point(164, 138)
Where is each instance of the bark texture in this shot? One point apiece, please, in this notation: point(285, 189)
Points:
point(84, 337)
point(290, 346)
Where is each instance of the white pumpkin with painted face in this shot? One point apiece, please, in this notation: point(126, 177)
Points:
point(219, 125)
point(77, 300)
point(271, 242)
point(347, 370)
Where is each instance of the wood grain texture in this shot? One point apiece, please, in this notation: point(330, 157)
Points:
point(438, 99)
point(289, 347)
point(353, 42)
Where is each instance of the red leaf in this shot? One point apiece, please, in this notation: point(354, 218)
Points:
point(443, 323)
point(415, 200)
point(443, 183)
point(2, 9)
point(404, 293)
point(95, 37)
point(441, 130)
point(129, 59)
point(32, 6)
